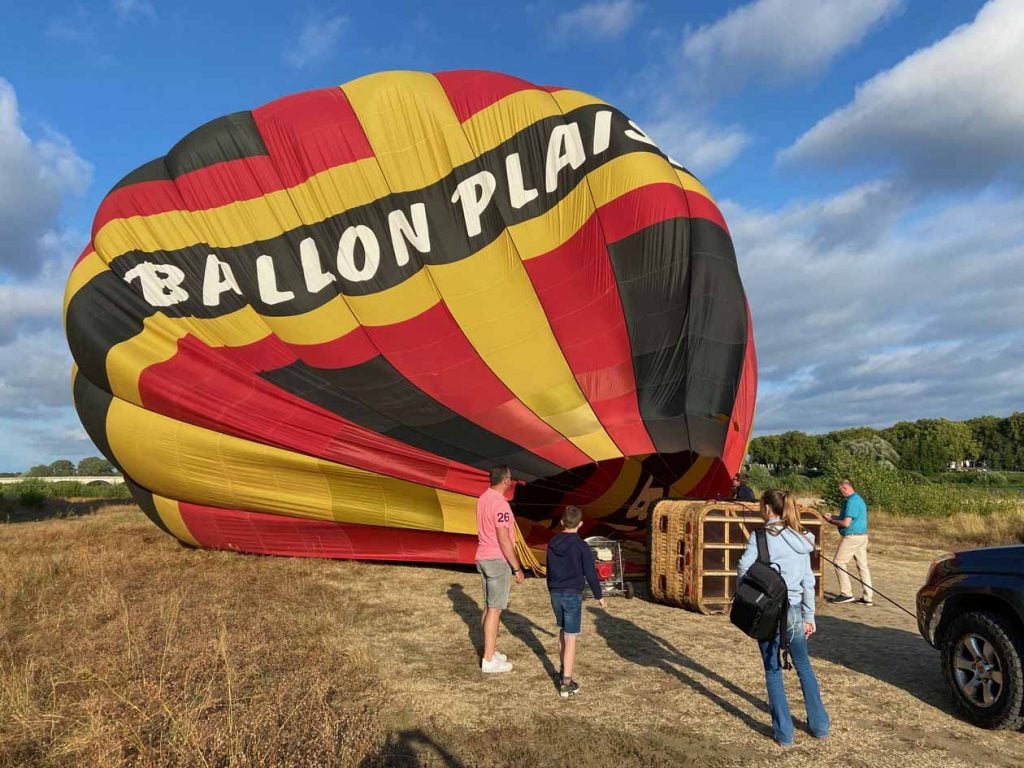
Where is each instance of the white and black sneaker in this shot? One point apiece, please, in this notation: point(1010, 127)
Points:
point(568, 688)
point(842, 599)
point(865, 601)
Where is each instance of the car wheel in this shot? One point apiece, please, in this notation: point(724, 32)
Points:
point(982, 661)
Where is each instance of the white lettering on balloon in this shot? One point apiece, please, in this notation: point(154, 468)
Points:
point(404, 233)
point(161, 283)
point(363, 236)
point(359, 246)
point(218, 279)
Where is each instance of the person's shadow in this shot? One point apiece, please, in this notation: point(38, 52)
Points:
point(516, 624)
point(403, 749)
point(891, 655)
point(638, 646)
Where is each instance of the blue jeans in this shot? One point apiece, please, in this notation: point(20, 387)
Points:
point(568, 608)
point(782, 721)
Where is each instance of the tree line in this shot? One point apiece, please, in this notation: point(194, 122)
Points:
point(90, 466)
point(928, 446)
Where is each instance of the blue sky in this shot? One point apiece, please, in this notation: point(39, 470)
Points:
point(868, 155)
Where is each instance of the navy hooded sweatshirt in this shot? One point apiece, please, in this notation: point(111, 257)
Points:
point(570, 561)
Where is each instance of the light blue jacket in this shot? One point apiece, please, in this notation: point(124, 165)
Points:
point(791, 552)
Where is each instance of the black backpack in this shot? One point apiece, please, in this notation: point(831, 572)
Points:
point(761, 604)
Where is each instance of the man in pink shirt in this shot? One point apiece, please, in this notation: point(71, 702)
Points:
point(496, 560)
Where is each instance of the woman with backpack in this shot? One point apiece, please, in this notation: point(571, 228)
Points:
point(789, 550)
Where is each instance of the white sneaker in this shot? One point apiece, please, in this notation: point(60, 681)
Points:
point(495, 665)
point(500, 656)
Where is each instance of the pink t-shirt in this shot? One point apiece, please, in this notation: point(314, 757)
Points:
point(492, 512)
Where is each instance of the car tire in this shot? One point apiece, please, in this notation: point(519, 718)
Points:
point(983, 663)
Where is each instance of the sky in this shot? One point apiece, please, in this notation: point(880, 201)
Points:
point(868, 156)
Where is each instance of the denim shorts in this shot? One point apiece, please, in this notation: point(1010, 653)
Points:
point(568, 608)
point(497, 579)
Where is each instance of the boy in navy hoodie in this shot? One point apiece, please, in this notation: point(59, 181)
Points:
point(570, 561)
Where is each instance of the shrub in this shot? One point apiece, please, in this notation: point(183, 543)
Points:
point(879, 484)
point(906, 493)
point(72, 488)
point(794, 481)
point(30, 494)
point(759, 478)
point(996, 479)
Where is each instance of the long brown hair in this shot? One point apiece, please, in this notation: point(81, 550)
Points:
point(783, 505)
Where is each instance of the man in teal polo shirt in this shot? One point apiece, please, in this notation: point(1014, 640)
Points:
point(852, 522)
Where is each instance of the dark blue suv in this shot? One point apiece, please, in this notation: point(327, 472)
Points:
point(971, 608)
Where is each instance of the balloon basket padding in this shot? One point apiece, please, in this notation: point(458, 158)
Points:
point(694, 547)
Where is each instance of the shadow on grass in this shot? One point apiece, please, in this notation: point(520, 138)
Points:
point(469, 611)
point(405, 748)
point(516, 624)
point(893, 656)
point(638, 646)
point(527, 631)
point(55, 509)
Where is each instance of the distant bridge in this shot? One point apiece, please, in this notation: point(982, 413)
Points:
point(86, 479)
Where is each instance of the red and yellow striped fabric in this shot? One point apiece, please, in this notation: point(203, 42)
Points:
point(311, 328)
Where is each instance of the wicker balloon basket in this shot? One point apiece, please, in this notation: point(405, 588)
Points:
point(695, 545)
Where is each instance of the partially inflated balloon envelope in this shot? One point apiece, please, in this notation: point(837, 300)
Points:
point(311, 328)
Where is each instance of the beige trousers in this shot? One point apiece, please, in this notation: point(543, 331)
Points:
point(853, 547)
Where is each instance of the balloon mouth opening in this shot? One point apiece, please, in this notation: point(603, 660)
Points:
point(615, 495)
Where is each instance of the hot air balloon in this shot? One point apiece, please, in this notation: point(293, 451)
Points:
point(311, 328)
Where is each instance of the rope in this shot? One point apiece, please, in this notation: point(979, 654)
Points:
point(871, 587)
point(527, 558)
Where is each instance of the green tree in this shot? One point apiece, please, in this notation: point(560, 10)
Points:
point(797, 449)
point(995, 447)
point(766, 450)
point(93, 466)
point(833, 439)
point(39, 470)
point(62, 468)
point(874, 448)
point(1015, 432)
point(929, 445)
point(876, 482)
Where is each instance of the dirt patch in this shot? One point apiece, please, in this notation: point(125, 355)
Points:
point(119, 647)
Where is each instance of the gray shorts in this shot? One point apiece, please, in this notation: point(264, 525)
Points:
point(497, 579)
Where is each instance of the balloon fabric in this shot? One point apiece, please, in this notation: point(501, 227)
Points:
point(311, 328)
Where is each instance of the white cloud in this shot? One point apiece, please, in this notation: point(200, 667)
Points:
point(698, 144)
point(777, 41)
point(869, 308)
point(315, 41)
point(37, 373)
point(602, 20)
point(37, 418)
point(42, 439)
point(35, 256)
point(949, 114)
point(34, 177)
point(128, 10)
point(27, 307)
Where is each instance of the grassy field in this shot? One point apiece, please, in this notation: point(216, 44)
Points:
point(118, 647)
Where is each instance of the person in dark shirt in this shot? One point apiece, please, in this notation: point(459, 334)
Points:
point(740, 490)
point(570, 563)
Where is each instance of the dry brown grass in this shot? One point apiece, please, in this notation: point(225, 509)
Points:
point(975, 530)
point(120, 648)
